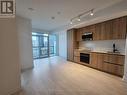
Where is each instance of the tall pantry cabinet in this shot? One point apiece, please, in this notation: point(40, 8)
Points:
point(71, 44)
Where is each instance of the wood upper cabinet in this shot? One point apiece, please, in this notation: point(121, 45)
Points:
point(112, 29)
point(85, 29)
point(71, 44)
point(97, 33)
point(108, 30)
point(103, 31)
point(119, 28)
point(79, 34)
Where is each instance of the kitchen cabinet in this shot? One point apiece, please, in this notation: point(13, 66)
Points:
point(76, 56)
point(100, 58)
point(97, 34)
point(107, 30)
point(119, 28)
point(71, 44)
point(111, 63)
point(79, 34)
point(97, 60)
point(85, 29)
point(114, 59)
point(93, 60)
point(103, 31)
point(114, 64)
point(113, 69)
point(77, 59)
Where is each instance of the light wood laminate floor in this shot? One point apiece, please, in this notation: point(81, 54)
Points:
point(56, 76)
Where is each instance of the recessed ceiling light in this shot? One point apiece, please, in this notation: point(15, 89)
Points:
point(31, 9)
point(79, 19)
point(58, 13)
point(71, 22)
point(52, 17)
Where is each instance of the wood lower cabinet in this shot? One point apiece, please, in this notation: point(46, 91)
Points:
point(113, 69)
point(111, 63)
point(93, 60)
point(100, 59)
point(114, 64)
point(77, 59)
point(71, 44)
point(97, 60)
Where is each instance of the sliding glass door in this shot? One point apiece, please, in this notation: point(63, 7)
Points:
point(44, 45)
point(52, 45)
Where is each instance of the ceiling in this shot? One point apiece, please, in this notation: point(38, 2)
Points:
point(52, 14)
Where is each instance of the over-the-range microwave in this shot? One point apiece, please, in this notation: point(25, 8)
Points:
point(87, 36)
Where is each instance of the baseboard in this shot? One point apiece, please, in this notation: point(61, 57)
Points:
point(25, 69)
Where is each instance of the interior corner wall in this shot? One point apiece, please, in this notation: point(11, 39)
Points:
point(125, 68)
point(62, 43)
point(24, 28)
point(9, 57)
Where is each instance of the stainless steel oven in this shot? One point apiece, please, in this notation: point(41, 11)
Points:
point(85, 58)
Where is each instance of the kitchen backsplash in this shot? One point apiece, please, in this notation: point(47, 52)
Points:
point(104, 46)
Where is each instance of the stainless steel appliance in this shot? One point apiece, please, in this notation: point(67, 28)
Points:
point(85, 58)
point(87, 36)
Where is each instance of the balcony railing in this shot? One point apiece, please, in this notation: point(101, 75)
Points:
point(41, 52)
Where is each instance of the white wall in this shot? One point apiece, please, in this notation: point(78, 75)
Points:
point(9, 57)
point(62, 43)
point(125, 69)
point(104, 46)
point(24, 27)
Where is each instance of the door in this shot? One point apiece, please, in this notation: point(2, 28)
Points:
point(40, 45)
point(52, 45)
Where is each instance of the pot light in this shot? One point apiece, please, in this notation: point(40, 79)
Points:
point(79, 19)
point(71, 22)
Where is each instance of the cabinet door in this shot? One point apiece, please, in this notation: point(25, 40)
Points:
point(119, 28)
point(115, 59)
point(108, 30)
point(97, 33)
point(79, 34)
point(100, 60)
point(86, 29)
point(93, 60)
point(77, 59)
point(105, 67)
point(70, 45)
point(113, 69)
point(76, 53)
point(114, 64)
